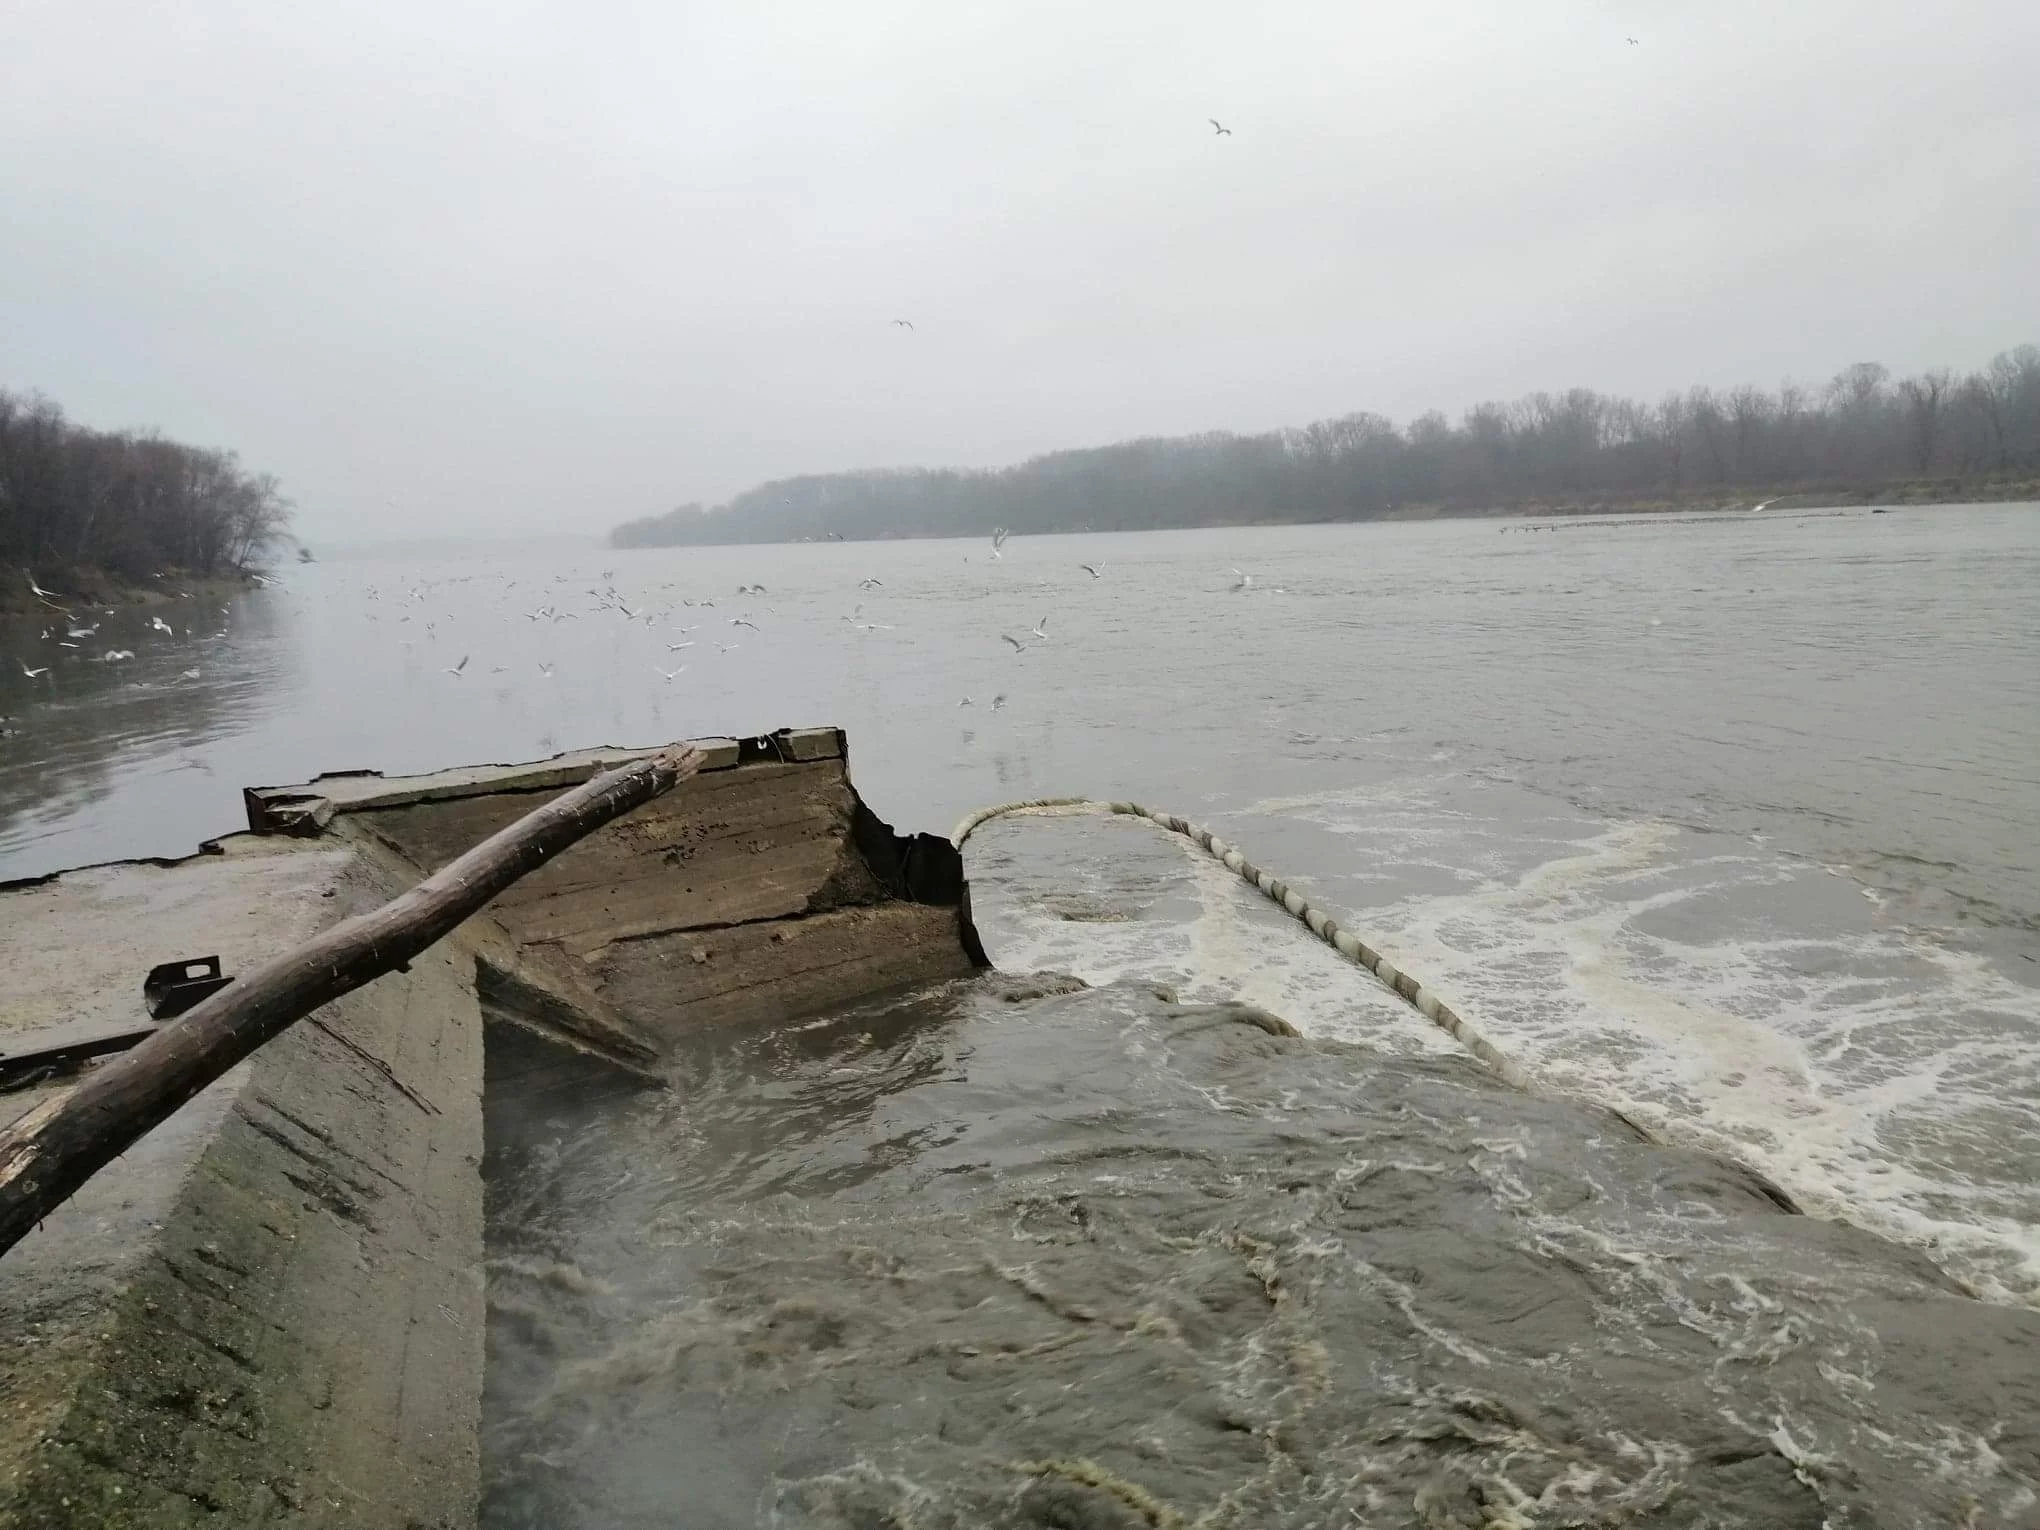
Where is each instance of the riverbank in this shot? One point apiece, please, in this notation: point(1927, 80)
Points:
point(1906, 492)
point(1925, 491)
point(79, 589)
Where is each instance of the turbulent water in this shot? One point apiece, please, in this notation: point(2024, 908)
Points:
point(1728, 821)
point(1101, 1261)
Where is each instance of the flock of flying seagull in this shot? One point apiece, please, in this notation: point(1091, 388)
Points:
point(608, 600)
point(409, 608)
point(74, 634)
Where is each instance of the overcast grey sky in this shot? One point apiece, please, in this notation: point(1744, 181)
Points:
point(461, 267)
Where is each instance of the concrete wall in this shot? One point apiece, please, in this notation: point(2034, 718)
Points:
point(269, 1312)
point(763, 889)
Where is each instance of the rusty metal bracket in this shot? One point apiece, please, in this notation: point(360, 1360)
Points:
point(172, 988)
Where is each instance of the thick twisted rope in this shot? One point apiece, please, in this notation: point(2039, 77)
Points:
point(1347, 944)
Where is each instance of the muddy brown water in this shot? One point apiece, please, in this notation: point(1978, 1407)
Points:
point(969, 1257)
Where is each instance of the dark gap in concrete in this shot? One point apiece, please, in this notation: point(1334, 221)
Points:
point(517, 1000)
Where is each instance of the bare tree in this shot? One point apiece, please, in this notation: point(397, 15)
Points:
point(1925, 399)
point(1858, 431)
point(133, 504)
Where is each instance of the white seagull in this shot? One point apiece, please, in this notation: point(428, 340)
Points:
point(38, 591)
point(32, 673)
point(1245, 581)
point(1040, 629)
point(743, 621)
point(1018, 646)
point(1090, 570)
point(1218, 129)
point(545, 669)
point(456, 669)
point(670, 673)
point(162, 626)
point(998, 541)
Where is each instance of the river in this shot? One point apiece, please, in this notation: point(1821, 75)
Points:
point(1730, 821)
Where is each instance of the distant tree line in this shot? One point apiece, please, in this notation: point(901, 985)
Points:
point(129, 503)
point(1862, 431)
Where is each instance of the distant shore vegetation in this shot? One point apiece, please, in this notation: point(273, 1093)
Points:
point(1863, 435)
point(125, 504)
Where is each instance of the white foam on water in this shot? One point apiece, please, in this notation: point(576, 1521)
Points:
point(1882, 1077)
point(1080, 914)
point(1714, 989)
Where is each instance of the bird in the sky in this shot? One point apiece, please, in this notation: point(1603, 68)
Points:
point(998, 541)
point(160, 625)
point(456, 669)
point(903, 323)
point(1018, 646)
point(670, 673)
point(38, 591)
point(739, 621)
point(870, 584)
point(545, 669)
point(1040, 629)
point(81, 632)
point(676, 647)
point(32, 673)
point(116, 655)
point(998, 701)
point(1090, 570)
point(965, 702)
point(1632, 42)
point(1219, 129)
point(1245, 581)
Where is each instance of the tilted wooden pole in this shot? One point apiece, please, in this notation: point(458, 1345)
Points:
point(55, 1148)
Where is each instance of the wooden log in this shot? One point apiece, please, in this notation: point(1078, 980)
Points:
point(47, 1154)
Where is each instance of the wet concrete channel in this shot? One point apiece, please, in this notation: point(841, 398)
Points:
point(711, 1179)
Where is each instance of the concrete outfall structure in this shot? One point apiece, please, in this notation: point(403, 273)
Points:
point(270, 1311)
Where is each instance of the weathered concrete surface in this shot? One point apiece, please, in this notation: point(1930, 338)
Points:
point(268, 1312)
point(763, 889)
point(779, 970)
